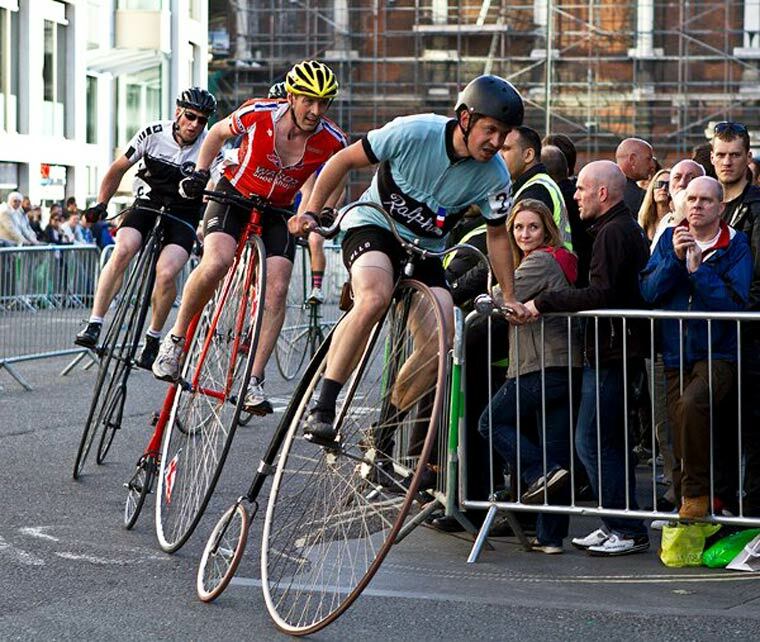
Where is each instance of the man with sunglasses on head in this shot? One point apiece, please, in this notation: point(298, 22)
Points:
point(284, 143)
point(730, 156)
point(166, 152)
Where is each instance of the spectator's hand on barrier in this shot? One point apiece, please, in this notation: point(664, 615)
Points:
point(95, 213)
point(192, 187)
point(518, 312)
point(302, 224)
point(683, 239)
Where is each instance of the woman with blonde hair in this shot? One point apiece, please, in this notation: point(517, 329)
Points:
point(656, 203)
point(538, 373)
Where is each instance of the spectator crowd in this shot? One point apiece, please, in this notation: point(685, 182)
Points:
point(630, 234)
point(21, 224)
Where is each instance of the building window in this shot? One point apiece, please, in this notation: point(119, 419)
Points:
point(54, 79)
point(140, 5)
point(139, 99)
point(95, 29)
point(8, 69)
point(92, 109)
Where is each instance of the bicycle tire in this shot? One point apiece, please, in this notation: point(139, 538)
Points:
point(118, 352)
point(293, 340)
point(138, 488)
point(222, 553)
point(201, 427)
point(353, 500)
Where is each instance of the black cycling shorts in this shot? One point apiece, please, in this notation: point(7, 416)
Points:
point(175, 233)
point(232, 219)
point(372, 238)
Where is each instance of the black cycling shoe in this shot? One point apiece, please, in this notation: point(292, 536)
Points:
point(319, 431)
point(88, 336)
point(149, 352)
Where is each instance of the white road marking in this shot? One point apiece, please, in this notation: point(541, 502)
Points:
point(20, 555)
point(38, 532)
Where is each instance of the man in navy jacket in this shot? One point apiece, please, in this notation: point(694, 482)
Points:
point(700, 265)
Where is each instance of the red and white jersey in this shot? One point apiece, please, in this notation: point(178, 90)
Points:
point(259, 169)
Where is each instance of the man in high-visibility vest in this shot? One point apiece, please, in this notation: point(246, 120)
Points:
point(522, 153)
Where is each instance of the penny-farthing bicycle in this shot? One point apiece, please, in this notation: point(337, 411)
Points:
point(120, 344)
point(335, 510)
point(200, 413)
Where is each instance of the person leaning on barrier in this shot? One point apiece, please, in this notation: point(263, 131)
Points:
point(538, 366)
point(702, 264)
point(730, 156)
point(619, 253)
point(166, 151)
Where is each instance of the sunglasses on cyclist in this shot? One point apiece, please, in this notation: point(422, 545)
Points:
point(728, 126)
point(662, 184)
point(193, 117)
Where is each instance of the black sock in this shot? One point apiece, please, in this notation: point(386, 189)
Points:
point(328, 396)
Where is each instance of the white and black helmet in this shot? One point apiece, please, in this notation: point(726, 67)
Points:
point(198, 99)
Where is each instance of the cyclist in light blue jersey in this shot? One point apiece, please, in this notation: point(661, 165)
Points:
point(431, 168)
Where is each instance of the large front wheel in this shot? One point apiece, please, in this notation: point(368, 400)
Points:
point(334, 513)
point(208, 404)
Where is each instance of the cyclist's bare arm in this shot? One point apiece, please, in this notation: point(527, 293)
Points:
point(500, 253)
point(112, 179)
point(329, 183)
point(306, 189)
point(213, 142)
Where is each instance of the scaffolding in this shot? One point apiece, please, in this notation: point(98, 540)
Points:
point(599, 70)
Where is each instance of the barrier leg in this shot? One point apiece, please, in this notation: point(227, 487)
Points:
point(420, 517)
point(76, 360)
point(21, 381)
point(482, 537)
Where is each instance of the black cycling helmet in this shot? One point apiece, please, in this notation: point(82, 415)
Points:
point(278, 90)
point(198, 99)
point(492, 96)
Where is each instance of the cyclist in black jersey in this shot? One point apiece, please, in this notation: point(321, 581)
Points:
point(166, 152)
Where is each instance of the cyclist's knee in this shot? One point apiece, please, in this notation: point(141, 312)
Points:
point(276, 293)
point(372, 303)
point(165, 278)
point(215, 267)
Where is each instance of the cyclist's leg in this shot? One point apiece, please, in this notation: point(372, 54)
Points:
point(372, 281)
point(318, 264)
point(421, 368)
point(128, 242)
point(222, 226)
point(170, 262)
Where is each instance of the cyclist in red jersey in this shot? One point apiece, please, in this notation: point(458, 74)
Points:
point(284, 142)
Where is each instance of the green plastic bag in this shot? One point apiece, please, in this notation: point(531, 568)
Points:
point(720, 554)
point(682, 544)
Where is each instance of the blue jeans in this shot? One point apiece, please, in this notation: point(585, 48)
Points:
point(612, 439)
point(551, 529)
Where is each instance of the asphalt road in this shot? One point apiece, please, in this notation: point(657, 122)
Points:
point(69, 570)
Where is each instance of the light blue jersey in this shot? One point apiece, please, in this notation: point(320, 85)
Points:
point(423, 185)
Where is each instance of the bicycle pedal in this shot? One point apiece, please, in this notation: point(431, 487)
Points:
point(155, 417)
point(330, 444)
point(262, 410)
point(184, 384)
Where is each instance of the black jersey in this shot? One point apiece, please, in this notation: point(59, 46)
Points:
point(163, 163)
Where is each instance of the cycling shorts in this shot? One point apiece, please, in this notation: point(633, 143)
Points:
point(232, 219)
point(175, 233)
point(371, 238)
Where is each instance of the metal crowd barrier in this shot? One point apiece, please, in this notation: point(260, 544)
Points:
point(507, 499)
point(45, 292)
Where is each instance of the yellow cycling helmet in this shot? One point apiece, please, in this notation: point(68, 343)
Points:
point(311, 78)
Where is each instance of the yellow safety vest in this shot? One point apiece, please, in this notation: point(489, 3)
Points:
point(473, 232)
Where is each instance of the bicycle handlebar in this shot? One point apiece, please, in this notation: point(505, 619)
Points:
point(250, 202)
point(160, 212)
point(412, 247)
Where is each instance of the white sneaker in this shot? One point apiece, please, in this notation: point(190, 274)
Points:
point(619, 545)
point(256, 401)
point(599, 536)
point(316, 296)
point(166, 365)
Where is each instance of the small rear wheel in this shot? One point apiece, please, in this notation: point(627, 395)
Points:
point(334, 511)
point(223, 552)
point(138, 488)
point(117, 354)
